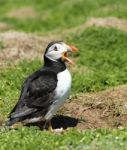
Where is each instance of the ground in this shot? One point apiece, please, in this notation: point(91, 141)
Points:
point(95, 115)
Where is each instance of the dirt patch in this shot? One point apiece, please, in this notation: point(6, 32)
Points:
point(114, 22)
point(22, 13)
point(19, 46)
point(106, 22)
point(105, 109)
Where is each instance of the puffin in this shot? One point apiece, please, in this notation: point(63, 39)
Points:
point(44, 91)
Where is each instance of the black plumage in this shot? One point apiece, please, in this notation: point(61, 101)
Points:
point(37, 92)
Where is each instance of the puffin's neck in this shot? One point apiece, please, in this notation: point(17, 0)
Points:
point(56, 66)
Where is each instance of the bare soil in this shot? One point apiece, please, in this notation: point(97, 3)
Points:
point(104, 109)
point(114, 22)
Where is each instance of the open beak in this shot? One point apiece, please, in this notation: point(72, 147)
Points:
point(73, 48)
point(65, 57)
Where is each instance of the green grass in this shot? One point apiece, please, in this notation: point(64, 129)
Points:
point(32, 138)
point(103, 51)
point(57, 15)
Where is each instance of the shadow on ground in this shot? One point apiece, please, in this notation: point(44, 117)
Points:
point(58, 122)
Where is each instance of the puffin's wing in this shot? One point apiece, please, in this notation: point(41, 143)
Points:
point(37, 93)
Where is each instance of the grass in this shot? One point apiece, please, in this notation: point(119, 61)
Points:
point(101, 63)
point(103, 51)
point(57, 15)
point(24, 138)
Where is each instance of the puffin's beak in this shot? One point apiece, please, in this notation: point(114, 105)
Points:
point(73, 48)
point(64, 56)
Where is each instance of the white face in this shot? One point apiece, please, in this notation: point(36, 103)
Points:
point(57, 50)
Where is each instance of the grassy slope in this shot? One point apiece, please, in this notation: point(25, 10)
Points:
point(102, 52)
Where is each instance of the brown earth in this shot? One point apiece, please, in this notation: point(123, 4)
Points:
point(104, 109)
point(114, 22)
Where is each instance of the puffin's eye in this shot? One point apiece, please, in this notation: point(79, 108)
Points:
point(55, 48)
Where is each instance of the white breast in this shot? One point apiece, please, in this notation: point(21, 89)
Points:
point(63, 85)
point(61, 92)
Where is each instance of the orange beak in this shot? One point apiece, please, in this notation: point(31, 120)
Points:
point(65, 58)
point(73, 48)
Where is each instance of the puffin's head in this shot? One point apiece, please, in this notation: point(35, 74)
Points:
point(56, 51)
